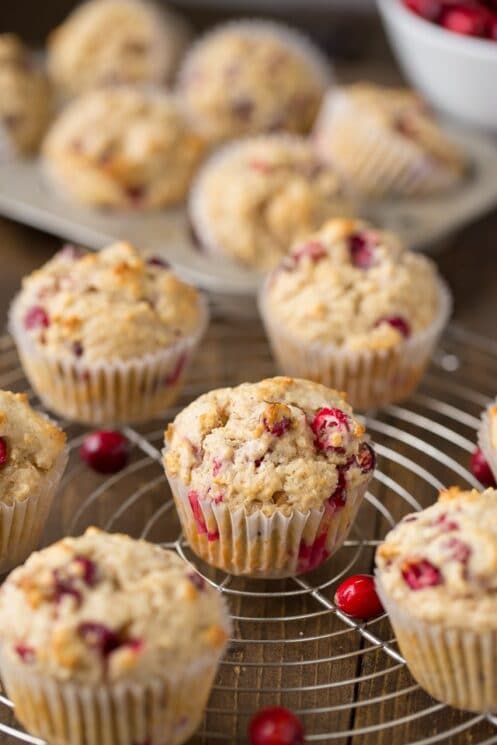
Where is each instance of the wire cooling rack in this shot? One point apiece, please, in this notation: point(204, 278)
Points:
point(346, 680)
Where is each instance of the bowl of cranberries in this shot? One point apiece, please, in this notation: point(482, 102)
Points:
point(448, 50)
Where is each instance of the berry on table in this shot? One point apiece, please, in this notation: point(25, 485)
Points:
point(357, 597)
point(480, 468)
point(106, 451)
point(276, 726)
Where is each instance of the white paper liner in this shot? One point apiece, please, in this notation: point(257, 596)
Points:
point(485, 439)
point(166, 710)
point(372, 159)
point(111, 392)
point(456, 666)
point(370, 377)
point(22, 523)
point(260, 546)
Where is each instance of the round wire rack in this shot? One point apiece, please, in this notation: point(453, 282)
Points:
point(291, 645)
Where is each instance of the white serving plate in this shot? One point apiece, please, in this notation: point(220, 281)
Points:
point(423, 223)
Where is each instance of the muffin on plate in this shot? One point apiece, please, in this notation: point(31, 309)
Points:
point(106, 42)
point(267, 477)
point(344, 309)
point(25, 98)
point(106, 337)
point(123, 148)
point(32, 459)
point(487, 436)
point(105, 639)
point(253, 198)
point(253, 76)
point(437, 579)
point(385, 142)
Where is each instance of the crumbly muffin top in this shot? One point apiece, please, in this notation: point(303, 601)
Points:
point(353, 286)
point(135, 138)
point(29, 447)
point(440, 565)
point(278, 445)
point(252, 200)
point(106, 607)
point(25, 101)
point(106, 42)
point(109, 305)
point(249, 77)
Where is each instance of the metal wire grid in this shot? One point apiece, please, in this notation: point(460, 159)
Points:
point(347, 680)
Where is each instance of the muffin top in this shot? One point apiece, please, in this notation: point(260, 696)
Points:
point(440, 565)
point(110, 305)
point(106, 42)
point(30, 445)
point(25, 102)
point(248, 77)
point(276, 446)
point(353, 286)
point(106, 607)
point(136, 143)
point(253, 199)
point(404, 114)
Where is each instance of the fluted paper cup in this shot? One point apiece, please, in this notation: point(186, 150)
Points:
point(370, 377)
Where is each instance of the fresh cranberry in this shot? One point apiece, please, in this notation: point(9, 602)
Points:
point(312, 555)
point(397, 322)
point(468, 20)
point(100, 637)
point(361, 247)
point(459, 551)
point(4, 452)
point(326, 424)
point(480, 469)
point(158, 261)
point(492, 29)
point(428, 9)
point(36, 318)
point(279, 427)
point(175, 373)
point(27, 654)
point(198, 516)
point(105, 451)
point(366, 458)
point(356, 596)
point(197, 580)
point(276, 726)
point(421, 574)
point(312, 250)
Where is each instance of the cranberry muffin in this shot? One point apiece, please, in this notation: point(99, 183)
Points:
point(32, 459)
point(123, 148)
point(107, 639)
point(107, 337)
point(344, 309)
point(385, 142)
point(268, 477)
point(25, 98)
point(249, 77)
point(255, 197)
point(109, 42)
point(437, 578)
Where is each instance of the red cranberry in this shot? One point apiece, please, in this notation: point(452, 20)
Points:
point(158, 261)
point(366, 458)
point(429, 9)
point(313, 250)
point(421, 574)
point(65, 585)
point(397, 322)
point(326, 423)
point(492, 29)
point(198, 516)
point(27, 654)
point(4, 452)
point(276, 726)
point(89, 569)
point(480, 469)
point(279, 427)
point(36, 318)
point(444, 524)
point(357, 597)
point(468, 20)
point(100, 637)
point(361, 247)
point(338, 497)
point(312, 555)
point(105, 451)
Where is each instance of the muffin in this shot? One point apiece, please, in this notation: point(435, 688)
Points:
point(106, 337)
point(344, 309)
point(249, 77)
point(32, 459)
point(104, 42)
point(385, 142)
point(122, 148)
point(487, 436)
point(437, 579)
point(254, 198)
point(25, 100)
point(267, 477)
point(105, 639)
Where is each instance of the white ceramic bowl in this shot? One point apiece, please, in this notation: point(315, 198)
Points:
point(457, 74)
